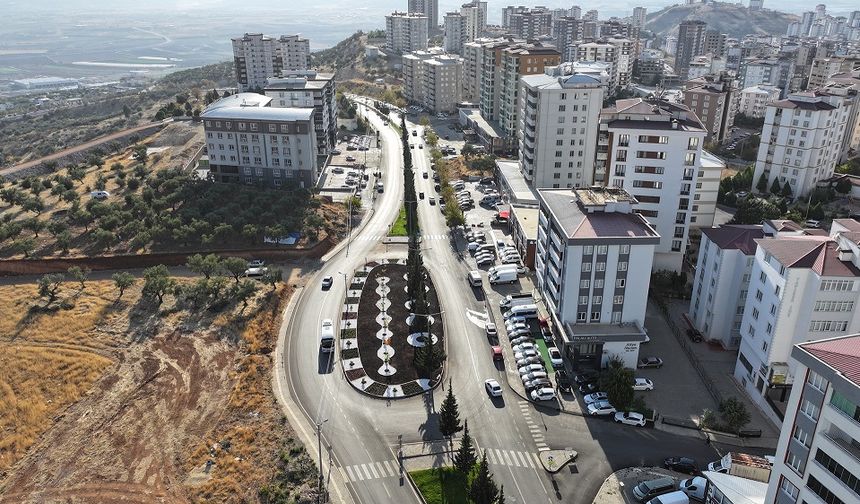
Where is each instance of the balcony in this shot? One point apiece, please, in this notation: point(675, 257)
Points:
point(845, 445)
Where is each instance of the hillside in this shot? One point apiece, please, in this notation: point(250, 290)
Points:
point(732, 19)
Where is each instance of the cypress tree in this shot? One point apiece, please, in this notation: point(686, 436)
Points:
point(483, 489)
point(465, 458)
point(449, 414)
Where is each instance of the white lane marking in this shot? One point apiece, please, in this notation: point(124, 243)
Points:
point(381, 468)
point(523, 458)
point(507, 458)
point(514, 458)
point(491, 456)
point(366, 472)
point(477, 318)
point(536, 458)
point(351, 475)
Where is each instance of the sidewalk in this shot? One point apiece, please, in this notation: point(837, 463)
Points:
point(618, 487)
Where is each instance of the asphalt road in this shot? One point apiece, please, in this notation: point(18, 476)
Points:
point(363, 433)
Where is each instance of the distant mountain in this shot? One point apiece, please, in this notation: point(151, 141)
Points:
point(732, 19)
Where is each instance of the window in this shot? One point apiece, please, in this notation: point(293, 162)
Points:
point(816, 381)
point(580, 317)
point(755, 313)
point(810, 409)
point(595, 316)
point(618, 300)
point(762, 277)
point(584, 284)
point(598, 283)
point(769, 328)
point(758, 295)
point(601, 266)
point(822, 491)
point(834, 306)
point(788, 488)
point(622, 265)
point(596, 300)
point(795, 462)
point(764, 346)
point(625, 249)
point(828, 325)
point(837, 285)
point(583, 300)
point(602, 249)
point(586, 267)
point(588, 250)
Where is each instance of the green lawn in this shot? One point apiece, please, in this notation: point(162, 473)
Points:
point(399, 226)
point(541, 344)
point(441, 486)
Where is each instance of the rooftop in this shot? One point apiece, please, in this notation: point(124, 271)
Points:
point(512, 177)
point(808, 100)
point(639, 113)
point(735, 237)
point(241, 100)
point(259, 113)
point(579, 222)
point(625, 331)
point(818, 253)
point(736, 489)
point(842, 354)
point(304, 80)
point(527, 217)
point(544, 81)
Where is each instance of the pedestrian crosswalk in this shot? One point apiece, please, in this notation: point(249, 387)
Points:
point(378, 237)
point(534, 428)
point(513, 458)
point(372, 470)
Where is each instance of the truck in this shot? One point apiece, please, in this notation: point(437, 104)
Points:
point(744, 465)
point(504, 276)
point(327, 336)
point(512, 300)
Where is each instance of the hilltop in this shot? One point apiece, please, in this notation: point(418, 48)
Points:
point(732, 19)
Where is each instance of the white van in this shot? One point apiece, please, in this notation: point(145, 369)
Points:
point(474, 278)
point(527, 311)
point(677, 497)
point(327, 336)
point(100, 195)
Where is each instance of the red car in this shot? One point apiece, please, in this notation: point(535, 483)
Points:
point(497, 353)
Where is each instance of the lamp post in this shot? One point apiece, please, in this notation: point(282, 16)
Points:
point(319, 452)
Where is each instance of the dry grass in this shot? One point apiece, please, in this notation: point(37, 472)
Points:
point(48, 360)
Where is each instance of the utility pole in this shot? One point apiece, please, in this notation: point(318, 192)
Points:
point(319, 453)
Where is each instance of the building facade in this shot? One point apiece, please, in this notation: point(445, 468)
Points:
point(592, 264)
point(250, 142)
point(556, 144)
point(430, 9)
point(433, 80)
point(309, 89)
point(819, 444)
point(518, 61)
point(755, 99)
point(691, 41)
point(405, 32)
point(258, 57)
point(530, 24)
point(714, 99)
point(653, 151)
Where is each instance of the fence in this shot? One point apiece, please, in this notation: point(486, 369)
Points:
point(685, 344)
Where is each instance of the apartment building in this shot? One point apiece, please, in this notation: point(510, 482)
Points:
point(518, 61)
point(463, 26)
point(475, 15)
point(510, 10)
point(430, 9)
point(818, 455)
point(250, 142)
point(707, 188)
point(691, 42)
point(801, 140)
point(653, 150)
point(801, 289)
point(433, 80)
point(530, 24)
point(556, 140)
point(309, 89)
point(846, 85)
point(823, 68)
point(617, 52)
point(640, 15)
point(258, 57)
point(405, 32)
point(567, 31)
point(714, 99)
point(592, 265)
point(755, 99)
point(714, 43)
point(755, 72)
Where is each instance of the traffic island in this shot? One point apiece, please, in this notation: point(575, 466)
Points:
point(377, 346)
point(554, 460)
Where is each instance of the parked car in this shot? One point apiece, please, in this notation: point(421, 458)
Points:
point(588, 376)
point(650, 362)
point(327, 283)
point(555, 357)
point(432, 201)
point(537, 383)
point(526, 353)
point(685, 465)
point(493, 388)
point(652, 488)
point(99, 195)
point(588, 388)
point(515, 326)
point(643, 384)
point(601, 408)
point(486, 261)
point(630, 418)
point(537, 359)
point(516, 333)
point(542, 394)
point(522, 339)
point(530, 368)
point(335, 152)
point(534, 375)
point(562, 381)
point(256, 263)
point(256, 272)
point(594, 397)
point(524, 346)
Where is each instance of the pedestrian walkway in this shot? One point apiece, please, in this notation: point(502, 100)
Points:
point(534, 428)
point(372, 470)
point(513, 458)
point(378, 237)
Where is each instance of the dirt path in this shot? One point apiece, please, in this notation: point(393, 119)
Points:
point(79, 148)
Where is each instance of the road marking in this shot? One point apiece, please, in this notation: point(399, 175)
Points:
point(543, 448)
point(523, 458)
point(514, 458)
point(491, 456)
point(388, 466)
point(373, 470)
point(366, 472)
point(536, 458)
point(507, 459)
point(349, 472)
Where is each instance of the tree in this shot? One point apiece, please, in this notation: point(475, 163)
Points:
point(501, 499)
point(79, 275)
point(35, 225)
point(64, 241)
point(49, 285)
point(754, 210)
point(245, 291)
point(157, 282)
point(34, 204)
point(734, 413)
point(139, 154)
point(24, 246)
point(468, 151)
point(775, 188)
point(449, 415)
point(761, 187)
point(483, 489)
point(57, 227)
point(123, 280)
point(235, 266)
point(617, 381)
point(843, 186)
point(77, 173)
point(96, 160)
point(465, 458)
point(786, 190)
point(273, 276)
point(207, 265)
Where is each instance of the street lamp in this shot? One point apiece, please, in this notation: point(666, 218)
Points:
point(319, 452)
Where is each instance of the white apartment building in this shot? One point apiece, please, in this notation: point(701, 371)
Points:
point(755, 99)
point(653, 151)
point(531, 23)
point(707, 188)
point(758, 72)
point(475, 15)
point(847, 86)
point(454, 33)
point(801, 140)
point(818, 455)
point(309, 89)
point(405, 32)
point(556, 140)
point(258, 57)
point(617, 52)
point(592, 267)
point(429, 8)
point(801, 289)
point(433, 80)
point(250, 142)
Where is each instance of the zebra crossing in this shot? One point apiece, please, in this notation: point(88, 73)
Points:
point(378, 237)
point(372, 470)
point(534, 428)
point(513, 458)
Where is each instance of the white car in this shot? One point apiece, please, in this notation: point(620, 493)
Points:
point(485, 261)
point(537, 359)
point(256, 263)
point(522, 339)
point(530, 368)
point(515, 326)
point(597, 396)
point(630, 418)
point(534, 375)
point(493, 388)
point(256, 272)
point(515, 320)
point(600, 408)
point(526, 353)
point(524, 346)
point(491, 330)
point(519, 332)
point(543, 394)
point(643, 384)
point(555, 357)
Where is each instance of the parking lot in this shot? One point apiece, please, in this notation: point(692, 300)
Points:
point(352, 167)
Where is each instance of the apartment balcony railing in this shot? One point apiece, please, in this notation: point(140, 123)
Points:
point(845, 445)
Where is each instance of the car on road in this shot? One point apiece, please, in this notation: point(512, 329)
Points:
point(601, 408)
point(327, 283)
point(256, 272)
point(519, 347)
point(530, 368)
point(555, 357)
point(350, 158)
point(491, 330)
point(256, 263)
point(497, 353)
point(493, 388)
point(432, 201)
point(562, 381)
point(537, 359)
point(594, 397)
point(643, 384)
point(337, 169)
point(650, 362)
point(421, 195)
point(630, 418)
point(685, 465)
point(420, 146)
point(351, 147)
point(542, 394)
point(526, 353)
point(335, 152)
point(425, 175)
